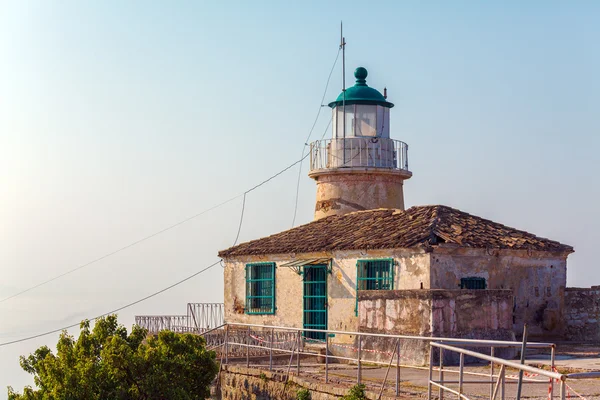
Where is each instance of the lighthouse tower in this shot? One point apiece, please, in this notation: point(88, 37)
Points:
point(360, 167)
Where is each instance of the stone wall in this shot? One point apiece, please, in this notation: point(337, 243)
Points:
point(475, 314)
point(240, 383)
point(582, 314)
point(537, 279)
point(352, 189)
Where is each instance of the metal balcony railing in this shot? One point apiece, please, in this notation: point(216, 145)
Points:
point(157, 323)
point(203, 316)
point(200, 317)
point(359, 152)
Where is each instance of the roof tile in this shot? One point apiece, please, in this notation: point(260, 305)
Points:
point(392, 228)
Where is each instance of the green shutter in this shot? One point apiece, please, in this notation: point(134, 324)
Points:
point(374, 275)
point(260, 288)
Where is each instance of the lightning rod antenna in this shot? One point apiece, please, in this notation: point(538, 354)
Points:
point(343, 47)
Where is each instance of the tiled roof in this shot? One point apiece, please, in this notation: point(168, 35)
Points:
point(391, 228)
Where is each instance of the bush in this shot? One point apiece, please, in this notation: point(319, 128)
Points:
point(303, 394)
point(357, 392)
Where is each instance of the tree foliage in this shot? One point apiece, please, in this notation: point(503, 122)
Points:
point(107, 363)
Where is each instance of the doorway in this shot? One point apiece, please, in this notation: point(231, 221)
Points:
point(315, 300)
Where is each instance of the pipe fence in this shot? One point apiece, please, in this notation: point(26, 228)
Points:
point(239, 343)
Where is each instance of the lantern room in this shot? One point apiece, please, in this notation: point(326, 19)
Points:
point(361, 167)
point(367, 112)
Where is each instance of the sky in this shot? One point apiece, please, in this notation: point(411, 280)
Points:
point(119, 119)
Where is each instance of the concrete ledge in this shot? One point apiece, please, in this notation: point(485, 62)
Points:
point(405, 174)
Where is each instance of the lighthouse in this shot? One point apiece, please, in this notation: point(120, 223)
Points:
point(360, 167)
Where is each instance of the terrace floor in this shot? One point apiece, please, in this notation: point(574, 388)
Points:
point(413, 382)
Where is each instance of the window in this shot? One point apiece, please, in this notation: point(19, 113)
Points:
point(473, 283)
point(365, 117)
point(260, 288)
point(374, 275)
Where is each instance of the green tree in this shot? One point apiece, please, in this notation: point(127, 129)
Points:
point(106, 363)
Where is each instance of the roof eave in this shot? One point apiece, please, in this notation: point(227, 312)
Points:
point(336, 103)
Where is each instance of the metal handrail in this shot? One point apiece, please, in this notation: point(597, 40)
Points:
point(497, 386)
point(501, 361)
point(474, 342)
point(368, 152)
point(213, 329)
point(290, 340)
point(226, 340)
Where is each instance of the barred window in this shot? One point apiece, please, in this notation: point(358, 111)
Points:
point(374, 275)
point(260, 288)
point(473, 283)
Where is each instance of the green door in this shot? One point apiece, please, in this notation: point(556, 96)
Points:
point(315, 300)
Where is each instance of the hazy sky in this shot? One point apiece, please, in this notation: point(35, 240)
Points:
point(118, 119)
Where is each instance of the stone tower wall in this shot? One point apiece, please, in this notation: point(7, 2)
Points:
point(341, 193)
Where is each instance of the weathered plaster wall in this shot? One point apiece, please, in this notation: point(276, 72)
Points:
point(476, 314)
point(412, 269)
point(537, 279)
point(288, 293)
point(582, 314)
point(341, 192)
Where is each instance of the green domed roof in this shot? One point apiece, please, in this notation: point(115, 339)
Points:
point(360, 93)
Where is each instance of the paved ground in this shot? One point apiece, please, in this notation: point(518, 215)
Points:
point(571, 358)
point(414, 381)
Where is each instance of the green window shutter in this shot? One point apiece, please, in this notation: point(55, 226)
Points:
point(260, 288)
point(374, 275)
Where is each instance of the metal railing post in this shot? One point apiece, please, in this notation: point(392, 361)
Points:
point(387, 371)
point(326, 357)
point(552, 365)
point(523, 350)
point(430, 372)
point(503, 388)
point(495, 387)
point(271, 350)
point(441, 375)
point(226, 344)
point(563, 390)
point(398, 368)
point(223, 340)
point(492, 352)
point(248, 349)
point(359, 372)
point(298, 354)
point(461, 374)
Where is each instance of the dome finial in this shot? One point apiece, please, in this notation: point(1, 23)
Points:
point(361, 75)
